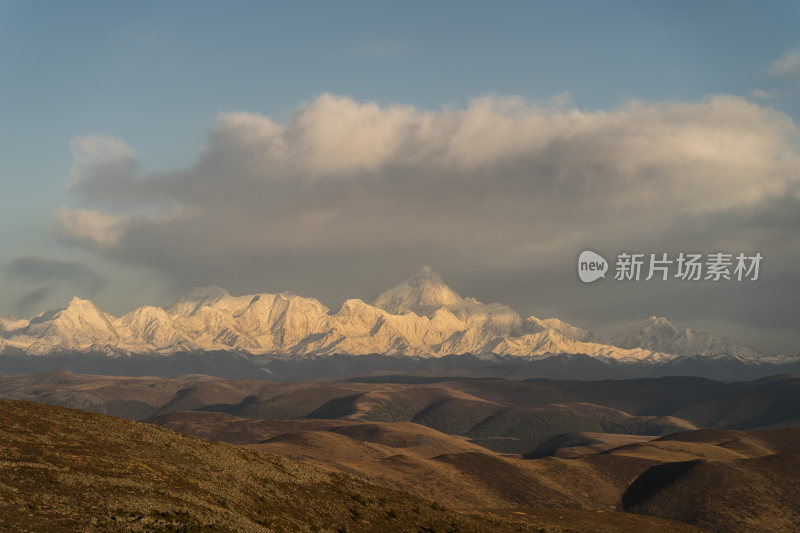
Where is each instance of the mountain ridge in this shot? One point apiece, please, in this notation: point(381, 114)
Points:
point(420, 317)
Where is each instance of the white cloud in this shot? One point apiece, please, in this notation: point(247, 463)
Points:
point(787, 66)
point(99, 155)
point(346, 186)
point(90, 228)
point(760, 94)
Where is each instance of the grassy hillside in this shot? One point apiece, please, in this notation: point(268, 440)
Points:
point(66, 470)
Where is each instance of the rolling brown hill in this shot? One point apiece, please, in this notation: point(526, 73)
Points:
point(753, 489)
point(598, 472)
point(503, 415)
point(452, 405)
point(67, 470)
point(492, 445)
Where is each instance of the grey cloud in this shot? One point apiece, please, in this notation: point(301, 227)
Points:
point(32, 299)
point(50, 274)
point(347, 197)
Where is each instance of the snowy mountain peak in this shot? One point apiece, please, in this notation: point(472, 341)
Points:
point(77, 310)
point(423, 293)
point(426, 275)
point(196, 298)
point(80, 304)
point(660, 326)
point(206, 294)
point(78, 326)
point(659, 334)
point(421, 316)
point(535, 325)
point(660, 321)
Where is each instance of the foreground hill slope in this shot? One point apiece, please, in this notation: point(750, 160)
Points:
point(64, 469)
point(68, 470)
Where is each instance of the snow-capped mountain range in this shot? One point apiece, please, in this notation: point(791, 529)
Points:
point(421, 316)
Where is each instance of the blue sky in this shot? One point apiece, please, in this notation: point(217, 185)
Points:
point(157, 74)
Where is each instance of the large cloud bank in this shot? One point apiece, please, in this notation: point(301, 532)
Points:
point(344, 189)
